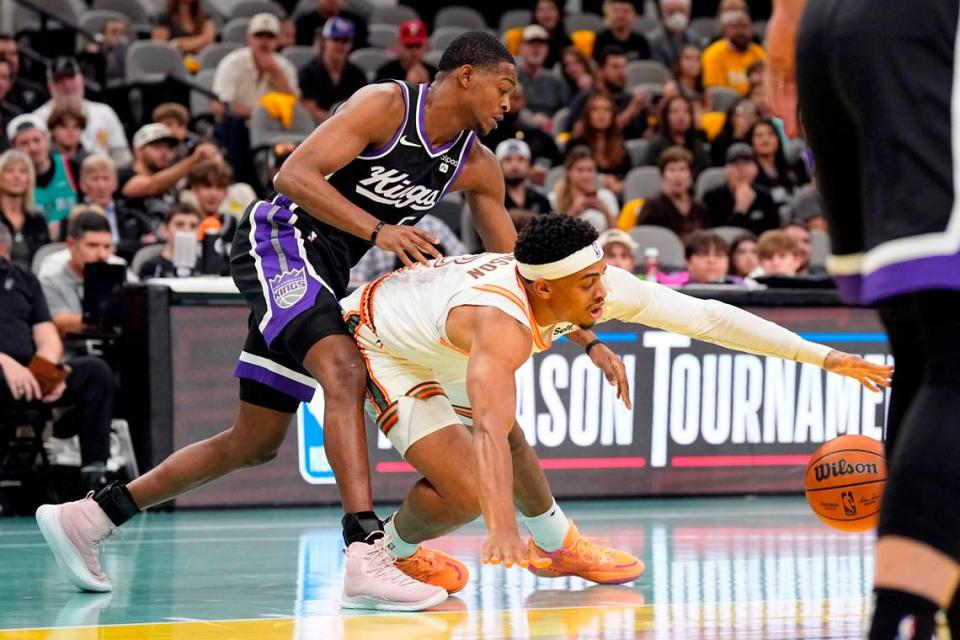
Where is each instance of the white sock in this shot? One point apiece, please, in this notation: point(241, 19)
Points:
point(548, 529)
point(400, 547)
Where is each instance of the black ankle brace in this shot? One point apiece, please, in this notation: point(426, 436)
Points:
point(361, 527)
point(117, 503)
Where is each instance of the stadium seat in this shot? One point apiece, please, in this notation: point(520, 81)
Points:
point(708, 179)
point(671, 255)
point(647, 71)
point(705, 27)
point(382, 35)
point(646, 25)
point(392, 15)
point(793, 149)
point(149, 62)
point(584, 41)
point(512, 38)
point(235, 31)
point(44, 252)
point(639, 150)
point(266, 131)
point(210, 57)
point(94, 20)
point(250, 8)
point(559, 120)
point(442, 37)
point(629, 213)
point(722, 97)
point(144, 255)
point(514, 18)
point(553, 177)
point(729, 234)
point(641, 182)
point(370, 59)
point(200, 103)
point(25, 19)
point(456, 16)
point(299, 55)
point(220, 10)
point(583, 22)
point(433, 57)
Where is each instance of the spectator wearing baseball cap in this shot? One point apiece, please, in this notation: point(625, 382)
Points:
point(104, 132)
point(522, 200)
point(546, 92)
point(56, 190)
point(186, 26)
point(412, 38)
point(739, 202)
point(310, 23)
point(549, 15)
point(619, 249)
point(246, 75)
point(151, 185)
point(329, 78)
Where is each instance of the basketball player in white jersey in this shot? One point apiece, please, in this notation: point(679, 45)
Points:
point(442, 343)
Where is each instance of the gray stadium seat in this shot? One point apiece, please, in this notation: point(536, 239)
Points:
point(514, 18)
point(641, 182)
point(442, 37)
point(583, 22)
point(392, 15)
point(211, 56)
point(299, 55)
point(820, 247)
point(370, 59)
point(250, 8)
point(235, 30)
point(553, 177)
point(143, 255)
point(646, 24)
point(266, 131)
point(151, 61)
point(708, 179)
point(647, 71)
point(94, 20)
point(199, 103)
point(639, 150)
point(559, 119)
point(382, 35)
point(25, 19)
point(722, 97)
point(456, 16)
point(43, 252)
point(433, 57)
point(729, 234)
point(705, 27)
point(666, 241)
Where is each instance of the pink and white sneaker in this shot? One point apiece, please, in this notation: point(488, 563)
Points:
point(74, 531)
point(372, 581)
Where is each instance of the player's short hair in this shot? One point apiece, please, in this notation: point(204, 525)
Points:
point(553, 237)
point(476, 48)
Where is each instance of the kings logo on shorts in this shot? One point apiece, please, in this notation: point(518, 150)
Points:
point(288, 287)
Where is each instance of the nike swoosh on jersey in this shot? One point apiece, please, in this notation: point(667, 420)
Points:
point(407, 143)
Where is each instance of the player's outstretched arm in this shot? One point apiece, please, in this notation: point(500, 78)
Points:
point(500, 346)
point(370, 117)
point(655, 305)
point(482, 183)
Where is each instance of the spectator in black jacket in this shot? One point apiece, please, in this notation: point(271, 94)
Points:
point(308, 24)
point(620, 16)
point(28, 229)
point(330, 78)
point(130, 227)
point(412, 39)
point(739, 202)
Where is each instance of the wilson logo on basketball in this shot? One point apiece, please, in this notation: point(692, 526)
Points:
point(842, 468)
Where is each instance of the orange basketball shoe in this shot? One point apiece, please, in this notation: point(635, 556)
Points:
point(587, 558)
point(436, 568)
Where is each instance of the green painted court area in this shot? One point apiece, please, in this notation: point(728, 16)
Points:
point(716, 568)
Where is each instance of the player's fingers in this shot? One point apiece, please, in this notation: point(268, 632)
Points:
point(868, 384)
point(429, 237)
point(402, 254)
point(427, 248)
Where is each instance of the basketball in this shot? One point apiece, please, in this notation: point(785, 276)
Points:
point(844, 482)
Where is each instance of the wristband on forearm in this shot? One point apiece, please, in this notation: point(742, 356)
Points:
point(376, 232)
point(591, 345)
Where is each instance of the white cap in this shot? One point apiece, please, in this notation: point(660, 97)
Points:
point(535, 32)
point(153, 132)
point(610, 236)
point(24, 122)
point(264, 23)
point(513, 147)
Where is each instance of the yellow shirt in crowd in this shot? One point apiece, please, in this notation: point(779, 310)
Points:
point(724, 66)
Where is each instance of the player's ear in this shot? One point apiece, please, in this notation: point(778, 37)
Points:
point(466, 74)
point(543, 288)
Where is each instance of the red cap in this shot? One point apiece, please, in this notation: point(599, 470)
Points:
point(412, 32)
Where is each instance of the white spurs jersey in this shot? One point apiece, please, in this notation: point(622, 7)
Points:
point(407, 310)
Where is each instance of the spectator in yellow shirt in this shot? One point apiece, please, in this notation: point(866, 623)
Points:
point(726, 61)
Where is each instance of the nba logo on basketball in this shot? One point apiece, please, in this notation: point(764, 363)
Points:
point(849, 505)
point(314, 467)
point(288, 287)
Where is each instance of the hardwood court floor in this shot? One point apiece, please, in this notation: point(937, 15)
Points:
point(745, 568)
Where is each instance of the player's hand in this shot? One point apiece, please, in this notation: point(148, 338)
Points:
point(508, 549)
point(22, 383)
point(409, 243)
point(872, 376)
point(780, 74)
point(614, 370)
